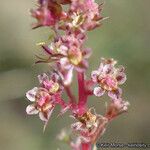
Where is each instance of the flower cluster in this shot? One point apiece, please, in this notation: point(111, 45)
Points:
point(90, 126)
point(70, 20)
point(45, 97)
point(108, 78)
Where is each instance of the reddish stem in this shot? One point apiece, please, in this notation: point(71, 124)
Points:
point(86, 146)
point(81, 91)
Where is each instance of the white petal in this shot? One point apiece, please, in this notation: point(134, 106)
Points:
point(65, 63)
point(45, 117)
point(94, 75)
point(68, 76)
point(83, 66)
point(121, 78)
point(54, 77)
point(42, 116)
point(63, 50)
point(115, 94)
point(108, 69)
point(31, 94)
point(87, 53)
point(43, 77)
point(98, 91)
point(31, 110)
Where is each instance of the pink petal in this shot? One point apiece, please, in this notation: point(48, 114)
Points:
point(76, 126)
point(44, 116)
point(121, 69)
point(98, 91)
point(64, 50)
point(68, 76)
point(54, 77)
point(31, 94)
point(116, 108)
point(94, 75)
point(87, 53)
point(65, 63)
point(31, 110)
point(108, 69)
point(121, 78)
point(89, 86)
point(43, 77)
point(115, 94)
point(82, 66)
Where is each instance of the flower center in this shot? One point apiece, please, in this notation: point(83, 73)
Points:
point(54, 88)
point(78, 19)
point(88, 119)
point(43, 101)
point(108, 83)
point(75, 57)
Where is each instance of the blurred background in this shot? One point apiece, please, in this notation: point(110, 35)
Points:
point(125, 36)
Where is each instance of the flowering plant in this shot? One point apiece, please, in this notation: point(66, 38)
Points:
point(71, 20)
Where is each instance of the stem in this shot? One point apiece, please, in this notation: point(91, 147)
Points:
point(70, 95)
point(81, 91)
point(86, 146)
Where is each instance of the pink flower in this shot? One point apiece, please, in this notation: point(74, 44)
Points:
point(68, 54)
point(117, 107)
point(108, 78)
point(45, 97)
point(85, 14)
point(47, 14)
point(89, 126)
point(65, 54)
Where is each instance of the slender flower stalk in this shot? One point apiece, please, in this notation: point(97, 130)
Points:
point(70, 95)
point(70, 21)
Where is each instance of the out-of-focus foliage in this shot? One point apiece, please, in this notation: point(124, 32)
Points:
point(125, 37)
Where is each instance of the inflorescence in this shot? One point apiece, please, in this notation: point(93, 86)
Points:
point(70, 20)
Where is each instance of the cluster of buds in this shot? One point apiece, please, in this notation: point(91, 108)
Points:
point(70, 20)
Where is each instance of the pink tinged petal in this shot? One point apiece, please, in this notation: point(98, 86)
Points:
point(44, 116)
point(55, 77)
point(65, 63)
point(31, 94)
point(43, 77)
point(121, 69)
point(63, 50)
point(76, 126)
point(116, 108)
point(68, 77)
point(100, 68)
point(98, 91)
point(48, 84)
point(82, 66)
point(89, 86)
point(125, 105)
point(115, 94)
point(87, 53)
point(94, 75)
point(31, 110)
point(108, 69)
point(121, 78)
